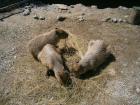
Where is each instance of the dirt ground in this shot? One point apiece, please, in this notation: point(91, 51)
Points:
point(23, 81)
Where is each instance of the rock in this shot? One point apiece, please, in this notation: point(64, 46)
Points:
point(126, 16)
point(61, 18)
point(138, 90)
point(139, 59)
point(28, 7)
point(69, 11)
point(125, 39)
point(93, 6)
point(106, 19)
point(125, 64)
point(35, 17)
point(38, 17)
point(114, 20)
point(123, 8)
point(42, 18)
point(72, 6)
point(120, 20)
point(83, 14)
point(125, 21)
point(15, 57)
point(122, 71)
point(62, 7)
point(26, 12)
point(137, 63)
point(13, 49)
point(81, 18)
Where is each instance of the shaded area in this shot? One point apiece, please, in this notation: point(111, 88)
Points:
point(7, 2)
point(97, 71)
point(7, 5)
point(136, 20)
point(99, 3)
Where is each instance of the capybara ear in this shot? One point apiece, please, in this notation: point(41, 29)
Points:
point(91, 43)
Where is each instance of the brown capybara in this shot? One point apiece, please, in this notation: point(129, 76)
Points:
point(49, 57)
point(53, 37)
point(95, 55)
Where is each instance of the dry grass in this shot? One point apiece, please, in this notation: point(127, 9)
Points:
point(25, 82)
point(30, 84)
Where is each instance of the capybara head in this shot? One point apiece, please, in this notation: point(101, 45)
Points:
point(61, 33)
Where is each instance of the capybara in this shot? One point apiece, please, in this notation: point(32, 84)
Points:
point(53, 37)
point(95, 55)
point(49, 57)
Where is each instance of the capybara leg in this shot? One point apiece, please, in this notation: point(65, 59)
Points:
point(49, 73)
point(59, 79)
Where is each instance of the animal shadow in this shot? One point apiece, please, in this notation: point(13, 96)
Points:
point(99, 69)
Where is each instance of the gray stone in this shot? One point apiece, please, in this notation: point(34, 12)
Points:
point(81, 18)
point(35, 17)
point(114, 20)
point(72, 6)
point(26, 12)
point(42, 18)
point(123, 8)
point(62, 6)
point(120, 20)
point(138, 90)
point(93, 6)
point(61, 18)
point(83, 14)
point(106, 19)
point(139, 59)
point(15, 57)
point(125, 21)
point(137, 63)
point(69, 11)
point(125, 64)
point(28, 7)
point(126, 16)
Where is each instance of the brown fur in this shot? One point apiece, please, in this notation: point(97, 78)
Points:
point(96, 54)
point(52, 59)
point(53, 37)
